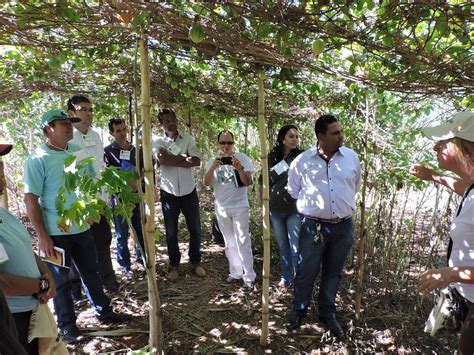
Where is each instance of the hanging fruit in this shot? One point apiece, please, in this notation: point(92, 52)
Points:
point(196, 33)
point(318, 46)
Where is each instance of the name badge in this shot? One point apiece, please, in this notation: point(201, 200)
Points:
point(88, 141)
point(174, 149)
point(124, 154)
point(281, 167)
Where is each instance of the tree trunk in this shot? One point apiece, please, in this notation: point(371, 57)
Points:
point(265, 210)
point(156, 332)
point(4, 196)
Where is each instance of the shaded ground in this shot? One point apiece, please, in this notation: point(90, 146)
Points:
point(209, 316)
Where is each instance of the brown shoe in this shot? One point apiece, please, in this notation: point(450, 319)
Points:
point(173, 274)
point(199, 270)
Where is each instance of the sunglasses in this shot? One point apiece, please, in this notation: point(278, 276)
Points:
point(228, 143)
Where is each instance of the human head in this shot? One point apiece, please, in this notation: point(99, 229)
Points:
point(56, 125)
point(168, 121)
point(225, 141)
point(455, 143)
point(118, 129)
point(329, 133)
point(282, 133)
point(4, 150)
point(81, 106)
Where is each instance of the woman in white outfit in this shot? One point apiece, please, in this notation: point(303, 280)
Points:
point(230, 173)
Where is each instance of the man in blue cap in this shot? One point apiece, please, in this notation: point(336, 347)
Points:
point(44, 170)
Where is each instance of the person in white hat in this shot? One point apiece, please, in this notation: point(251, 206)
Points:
point(455, 152)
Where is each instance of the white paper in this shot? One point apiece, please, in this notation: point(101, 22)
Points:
point(3, 254)
point(281, 167)
point(174, 149)
point(124, 154)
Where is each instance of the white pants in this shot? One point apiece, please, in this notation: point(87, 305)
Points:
point(234, 225)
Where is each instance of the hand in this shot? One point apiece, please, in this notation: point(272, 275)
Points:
point(43, 297)
point(236, 164)
point(216, 164)
point(433, 279)
point(422, 171)
point(46, 244)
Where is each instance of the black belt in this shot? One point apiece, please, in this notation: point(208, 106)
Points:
point(330, 221)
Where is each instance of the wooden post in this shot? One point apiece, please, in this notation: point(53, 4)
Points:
point(265, 210)
point(156, 332)
point(362, 230)
point(4, 196)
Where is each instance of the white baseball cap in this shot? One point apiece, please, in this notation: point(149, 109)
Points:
point(461, 126)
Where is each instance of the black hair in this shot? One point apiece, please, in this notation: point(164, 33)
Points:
point(224, 131)
point(76, 99)
point(50, 124)
point(279, 150)
point(115, 121)
point(322, 123)
point(165, 111)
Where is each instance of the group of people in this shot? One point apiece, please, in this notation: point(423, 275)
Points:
point(312, 201)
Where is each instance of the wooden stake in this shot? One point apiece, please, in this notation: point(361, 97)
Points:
point(265, 210)
point(156, 331)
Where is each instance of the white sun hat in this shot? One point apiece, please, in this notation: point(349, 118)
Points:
point(461, 126)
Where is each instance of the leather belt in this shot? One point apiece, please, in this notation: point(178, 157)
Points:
point(330, 221)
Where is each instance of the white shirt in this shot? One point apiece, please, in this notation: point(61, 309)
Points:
point(462, 234)
point(226, 191)
point(325, 190)
point(91, 146)
point(176, 180)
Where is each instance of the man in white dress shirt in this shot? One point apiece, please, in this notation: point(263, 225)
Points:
point(91, 146)
point(176, 155)
point(324, 180)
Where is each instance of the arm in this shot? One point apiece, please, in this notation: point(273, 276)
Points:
point(209, 176)
point(438, 278)
point(245, 176)
point(426, 173)
point(14, 285)
point(182, 161)
point(34, 213)
point(47, 275)
point(294, 180)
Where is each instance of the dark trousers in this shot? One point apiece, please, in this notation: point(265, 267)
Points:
point(102, 239)
point(328, 254)
point(9, 343)
point(79, 248)
point(466, 342)
point(22, 322)
point(121, 232)
point(172, 206)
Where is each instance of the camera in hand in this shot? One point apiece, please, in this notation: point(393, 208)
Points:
point(226, 160)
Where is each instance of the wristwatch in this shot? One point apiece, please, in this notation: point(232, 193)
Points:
point(43, 285)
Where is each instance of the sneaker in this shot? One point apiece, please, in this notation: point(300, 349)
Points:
point(333, 325)
point(173, 274)
point(232, 280)
point(199, 270)
point(127, 273)
point(295, 322)
point(248, 285)
point(71, 334)
point(112, 317)
point(283, 285)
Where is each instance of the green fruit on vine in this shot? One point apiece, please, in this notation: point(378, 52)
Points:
point(196, 33)
point(318, 46)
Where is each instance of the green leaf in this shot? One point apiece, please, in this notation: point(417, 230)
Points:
point(69, 160)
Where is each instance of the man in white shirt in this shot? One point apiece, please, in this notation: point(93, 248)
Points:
point(176, 154)
point(324, 180)
point(91, 146)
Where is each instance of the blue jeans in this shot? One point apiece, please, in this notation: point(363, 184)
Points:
point(80, 248)
point(121, 233)
point(172, 206)
point(329, 253)
point(286, 227)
